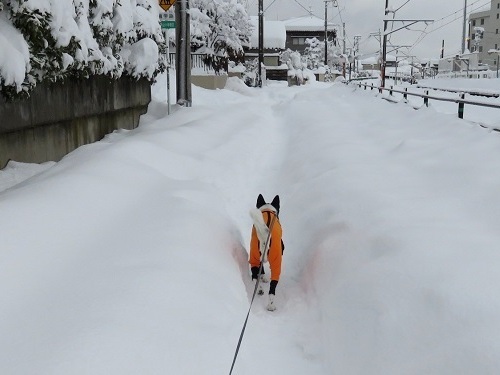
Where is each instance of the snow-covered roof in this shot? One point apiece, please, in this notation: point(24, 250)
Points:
point(370, 61)
point(274, 34)
point(307, 23)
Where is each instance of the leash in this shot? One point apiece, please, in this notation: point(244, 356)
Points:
point(253, 296)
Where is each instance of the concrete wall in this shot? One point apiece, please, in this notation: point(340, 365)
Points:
point(210, 82)
point(60, 117)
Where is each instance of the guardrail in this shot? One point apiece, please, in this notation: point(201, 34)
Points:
point(460, 101)
point(470, 92)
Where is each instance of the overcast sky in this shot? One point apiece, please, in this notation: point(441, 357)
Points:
point(363, 17)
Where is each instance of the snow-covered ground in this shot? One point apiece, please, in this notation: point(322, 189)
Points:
point(129, 255)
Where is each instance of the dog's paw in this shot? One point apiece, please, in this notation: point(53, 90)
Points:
point(271, 306)
point(260, 290)
point(264, 279)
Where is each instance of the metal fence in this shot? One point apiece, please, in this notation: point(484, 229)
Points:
point(426, 97)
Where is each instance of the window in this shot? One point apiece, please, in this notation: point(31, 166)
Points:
point(497, 31)
point(497, 15)
point(482, 21)
point(473, 22)
point(298, 41)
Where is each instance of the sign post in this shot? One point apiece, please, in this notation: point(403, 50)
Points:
point(167, 22)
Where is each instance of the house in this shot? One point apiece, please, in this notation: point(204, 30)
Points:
point(274, 41)
point(373, 62)
point(307, 27)
point(274, 44)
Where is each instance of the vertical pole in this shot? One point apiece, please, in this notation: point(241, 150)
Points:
point(426, 98)
point(326, 34)
point(464, 27)
point(168, 70)
point(384, 48)
point(183, 55)
point(261, 40)
point(442, 50)
point(498, 58)
point(396, 70)
point(343, 34)
point(461, 106)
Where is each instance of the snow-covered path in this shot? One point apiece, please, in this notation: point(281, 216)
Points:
point(128, 256)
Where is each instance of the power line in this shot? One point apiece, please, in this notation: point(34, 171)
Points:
point(426, 33)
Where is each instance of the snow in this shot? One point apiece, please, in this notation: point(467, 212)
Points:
point(69, 21)
point(129, 255)
point(14, 54)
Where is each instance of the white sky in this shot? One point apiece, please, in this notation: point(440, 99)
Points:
point(363, 17)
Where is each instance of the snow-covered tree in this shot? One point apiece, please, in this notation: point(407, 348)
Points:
point(314, 53)
point(219, 28)
point(80, 38)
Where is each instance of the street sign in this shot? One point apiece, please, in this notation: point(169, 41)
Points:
point(166, 4)
point(167, 24)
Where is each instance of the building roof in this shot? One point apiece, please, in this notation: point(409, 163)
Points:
point(274, 34)
point(308, 23)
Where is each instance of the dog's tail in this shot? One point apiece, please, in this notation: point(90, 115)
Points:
point(262, 230)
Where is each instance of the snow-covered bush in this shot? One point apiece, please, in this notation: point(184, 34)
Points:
point(314, 53)
point(80, 38)
point(250, 74)
point(219, 29)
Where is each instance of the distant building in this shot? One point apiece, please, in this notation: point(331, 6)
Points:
point(484, 33)
point(307, 27)
point(274, 41)
point(373, 62)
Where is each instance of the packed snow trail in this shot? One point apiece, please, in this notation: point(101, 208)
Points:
point(129, 255)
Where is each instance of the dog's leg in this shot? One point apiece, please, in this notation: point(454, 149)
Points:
point(255, 277)
point(260, 290)
point(271, 306)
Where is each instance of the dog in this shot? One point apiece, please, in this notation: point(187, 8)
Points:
point(266, 244)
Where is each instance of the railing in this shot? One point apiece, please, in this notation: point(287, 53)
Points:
point(197, 62)
point(460, 101)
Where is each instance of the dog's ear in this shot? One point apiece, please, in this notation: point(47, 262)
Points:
point(260, 201)
point(276, 203)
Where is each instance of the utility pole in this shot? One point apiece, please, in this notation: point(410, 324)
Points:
point(261, 40)
point(464, 27)
point(326, 33)
point(442, 50)
point(183, 55)
point(343, 34)
point(326, 27)
point(384, 47)
point(357, 38)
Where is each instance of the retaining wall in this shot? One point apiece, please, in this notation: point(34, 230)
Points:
point(60, 117)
